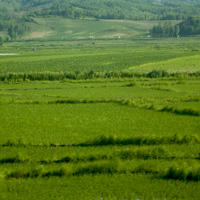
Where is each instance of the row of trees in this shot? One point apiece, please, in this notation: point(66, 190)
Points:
point(52, 76)
point(15, 31)
point(128, 12)
point(165, 30)
point(1, 41)
point(104, 9)
point(191, 26)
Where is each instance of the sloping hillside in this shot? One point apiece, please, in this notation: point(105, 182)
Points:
point(102, 9)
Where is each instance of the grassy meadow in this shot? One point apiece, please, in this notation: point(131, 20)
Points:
point(118, 119)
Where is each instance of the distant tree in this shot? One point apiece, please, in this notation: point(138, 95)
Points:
point(7, 39)
point(1, 27)
point(164, 30)
point(176, 31)
point(11, 33)
point(15, 31)
point(1, 41)
point(190, 27)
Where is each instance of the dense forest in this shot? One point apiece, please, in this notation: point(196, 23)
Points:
point(104, 9)
point(191, 26)
point(15, 15)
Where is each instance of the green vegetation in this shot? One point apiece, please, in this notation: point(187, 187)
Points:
point(105, 118)
point(185, 28)
point(190, 27)
point(1, 41)
point(100, 129)
point(132, 9)
point(165, 30)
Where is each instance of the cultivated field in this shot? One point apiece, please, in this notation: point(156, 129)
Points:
point(114, 120)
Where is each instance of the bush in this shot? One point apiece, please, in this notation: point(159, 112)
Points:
point(98, 168)
point(110, 140)
point(183, 174)
point(157, 74)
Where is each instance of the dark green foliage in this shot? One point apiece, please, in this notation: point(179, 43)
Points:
point(131, 84)
point(109, 168)
point(1, 41)
point(17, 159)
point(65, 159)
point(59, 173)
point(178, 173)
point(153, 153)
point(56, 76)
point(164, 30)
point(137, 10)
point(157, 74)
point(17, 31)
point(98, 168)
point(181, 111)
point(19, 142)
point(26, 174)
point(1, 26)
point(110, 140)
point(190, 27)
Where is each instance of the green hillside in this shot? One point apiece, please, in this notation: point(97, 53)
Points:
point(104, 9)
point(58, 28)
point(181, 65)
point(55, 20)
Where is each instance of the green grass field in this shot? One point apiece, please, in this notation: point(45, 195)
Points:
point(65, 29)
point(83, 121)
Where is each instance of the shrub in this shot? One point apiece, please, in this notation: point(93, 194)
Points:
point(98, 168)
point(183, 174)
point(157, 74)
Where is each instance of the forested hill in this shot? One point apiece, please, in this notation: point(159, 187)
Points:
point(102, 9)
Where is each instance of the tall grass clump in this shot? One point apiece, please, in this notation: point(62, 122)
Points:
point(12, 142)
point(157, 74)
point(89, 158)
point(131, 84)
point(181, 111)
point(104, 140)
point(140, 140)
point(16, 159)
point(26, 174)
point(94, 168)
point(98, 168)
point(70, 75)
point(36, 173)
point(152, 153)
point(183, 174)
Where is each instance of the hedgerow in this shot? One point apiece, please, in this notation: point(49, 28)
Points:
point(60, 76)
point(105, 140)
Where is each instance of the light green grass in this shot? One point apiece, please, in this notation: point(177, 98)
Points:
point(186, 64)
point(37, 118)
point(58, 28)
point(100, 59)
point(98, 187)
point(78, 122)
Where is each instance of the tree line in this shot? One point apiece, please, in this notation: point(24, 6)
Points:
point(191, 26)
point(104, 9)
point(15, 28)
point(165, 30)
